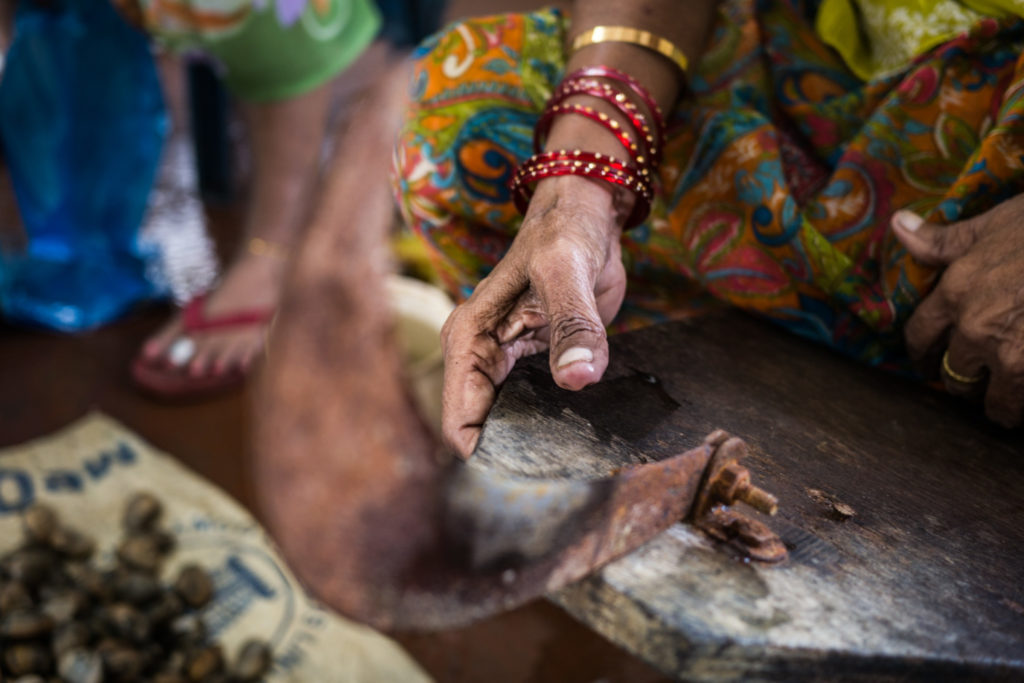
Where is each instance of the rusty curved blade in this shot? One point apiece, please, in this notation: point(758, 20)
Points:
point(350, 480)
point(505, 541)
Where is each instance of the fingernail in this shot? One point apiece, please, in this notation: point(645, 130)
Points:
point(575, 355)
point(909, 220)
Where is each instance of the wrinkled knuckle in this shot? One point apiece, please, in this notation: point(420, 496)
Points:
point(954, 240)
point(940, 239)
point(972, 232)
point(975, 332)
point(576, 327)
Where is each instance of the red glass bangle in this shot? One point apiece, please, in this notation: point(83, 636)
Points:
point(633, 84)
point(583, 157)
point(533, 172)
point(588, 164)
point(523, 190)
point(540, 132)
point(618, 99)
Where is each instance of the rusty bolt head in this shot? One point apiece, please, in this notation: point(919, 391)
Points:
point(728, 481)
point(732, 483)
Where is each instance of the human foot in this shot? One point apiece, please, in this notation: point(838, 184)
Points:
point(213, 343)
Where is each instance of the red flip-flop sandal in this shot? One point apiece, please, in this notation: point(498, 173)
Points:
point(164, 379)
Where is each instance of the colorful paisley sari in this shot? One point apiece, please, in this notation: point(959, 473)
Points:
point(782, 168)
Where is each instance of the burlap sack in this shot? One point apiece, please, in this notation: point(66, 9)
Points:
point(87, 470)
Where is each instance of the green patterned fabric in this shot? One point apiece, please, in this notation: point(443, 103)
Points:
point(268, 49)
point(878, 38)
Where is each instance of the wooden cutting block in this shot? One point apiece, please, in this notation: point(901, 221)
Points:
point(902, 508)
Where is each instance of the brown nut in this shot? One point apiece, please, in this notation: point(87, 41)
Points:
point(142, 511)
point(122, 662)
point(38, 523)
point(140, 552)
point(30, 566)
point(80, 666)
point(137, 588)
point(165, 608)
point(253, 662)
point(24, 659)
point(24, 624)
point(204, 663)
point(69, 637)
point(174, 662)
point(72, 543)
point(126, 622)
point(188, 629)
point(96, 584)
point(66, 605)
point(164, 540)
point(168, 677)
point(194, 585)
point(14, 596)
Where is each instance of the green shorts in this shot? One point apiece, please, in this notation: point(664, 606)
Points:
point(267, 49)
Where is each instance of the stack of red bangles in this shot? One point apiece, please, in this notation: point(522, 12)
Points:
point(640, 141)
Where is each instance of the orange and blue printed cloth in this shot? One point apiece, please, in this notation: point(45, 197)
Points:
point(781, 173)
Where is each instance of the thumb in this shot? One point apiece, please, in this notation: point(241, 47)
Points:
point(579, 344)
point(931, 243)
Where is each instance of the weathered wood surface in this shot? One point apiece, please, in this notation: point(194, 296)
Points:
point(925, 581)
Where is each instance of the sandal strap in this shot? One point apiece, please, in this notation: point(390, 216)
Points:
point(195, 319)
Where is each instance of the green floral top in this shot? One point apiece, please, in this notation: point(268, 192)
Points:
point(269, 49)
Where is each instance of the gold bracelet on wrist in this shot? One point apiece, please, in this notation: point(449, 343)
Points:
point(627, 34)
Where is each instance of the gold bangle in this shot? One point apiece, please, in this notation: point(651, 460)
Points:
point(261, 247)
point(627, 34)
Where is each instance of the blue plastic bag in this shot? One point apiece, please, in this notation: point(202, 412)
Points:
point(82, 122)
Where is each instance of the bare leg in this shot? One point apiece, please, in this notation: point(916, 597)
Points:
point(287, 138)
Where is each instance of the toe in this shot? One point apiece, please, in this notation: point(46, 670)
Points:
point(157, 345)
point(229, 356)
point(251, 353)
point(206, 354)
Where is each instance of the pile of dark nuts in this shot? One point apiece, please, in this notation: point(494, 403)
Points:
point(62, 618)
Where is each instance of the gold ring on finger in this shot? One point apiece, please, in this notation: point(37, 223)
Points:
point(956, 376)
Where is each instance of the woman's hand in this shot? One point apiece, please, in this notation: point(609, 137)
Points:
point(977, 309)
point(560, 283)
